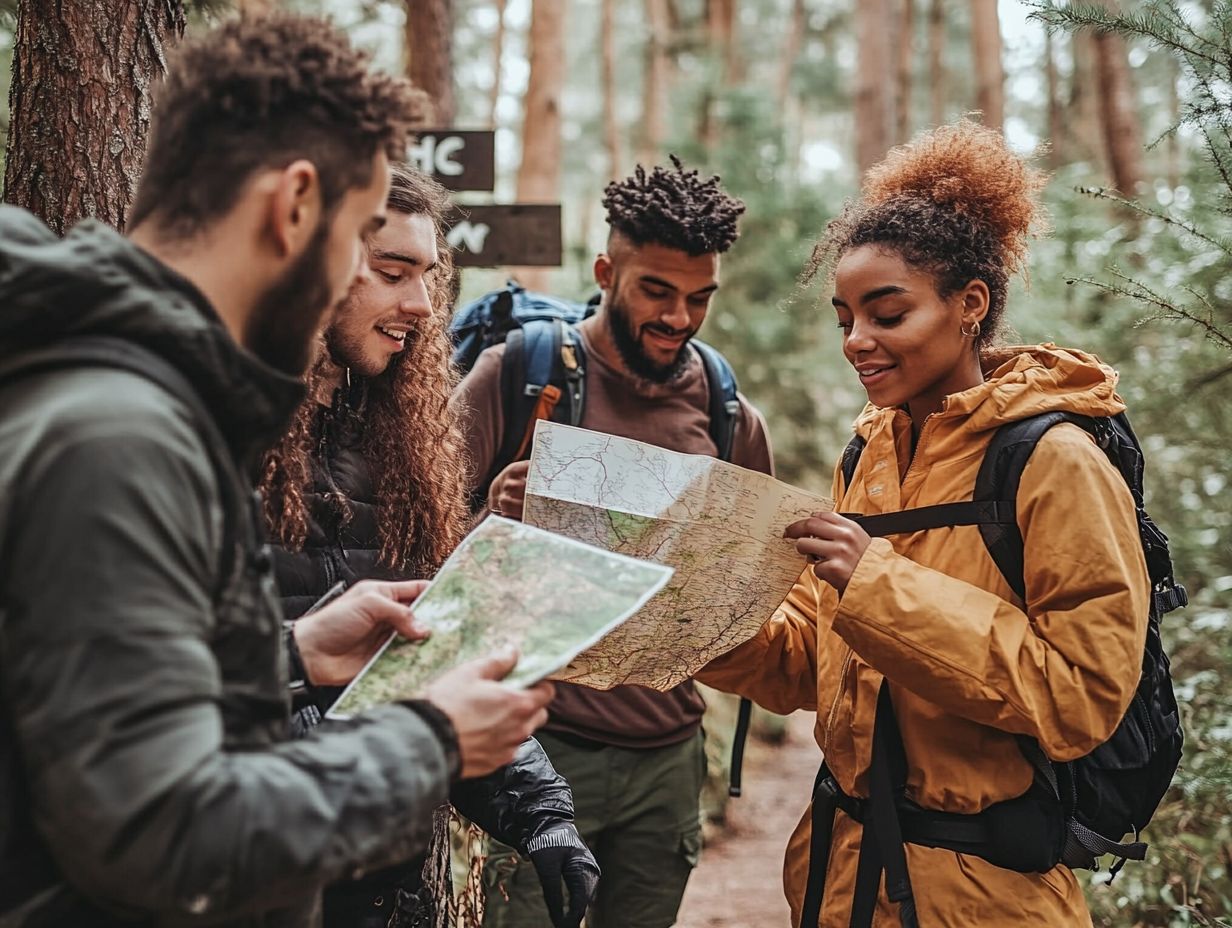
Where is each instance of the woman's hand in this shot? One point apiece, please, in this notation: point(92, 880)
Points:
point(832, 543)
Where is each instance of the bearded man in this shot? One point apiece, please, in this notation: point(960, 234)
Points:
point(633, 756)
point(147, 771)
point(365, 485)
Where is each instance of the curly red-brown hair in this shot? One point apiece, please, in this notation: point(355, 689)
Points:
point(410, 438)
point(955, 202)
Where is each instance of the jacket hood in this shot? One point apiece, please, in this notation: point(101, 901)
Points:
point(1022, 381)
point(96, 282)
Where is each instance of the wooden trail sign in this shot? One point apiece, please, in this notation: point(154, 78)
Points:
point(494, 235)
point(458, 160)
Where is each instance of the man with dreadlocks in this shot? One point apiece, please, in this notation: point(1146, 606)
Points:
point(634, 756)
point(365, 485)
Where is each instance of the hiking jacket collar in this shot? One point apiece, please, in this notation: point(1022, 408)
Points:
point(96, 282)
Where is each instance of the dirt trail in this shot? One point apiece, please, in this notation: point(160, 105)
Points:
point(738, 883)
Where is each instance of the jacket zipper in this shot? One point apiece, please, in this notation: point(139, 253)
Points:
point(918, 455)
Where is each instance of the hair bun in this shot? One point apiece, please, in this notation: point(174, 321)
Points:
point(968, 168)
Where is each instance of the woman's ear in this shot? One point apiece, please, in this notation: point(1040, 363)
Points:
point(974, 301)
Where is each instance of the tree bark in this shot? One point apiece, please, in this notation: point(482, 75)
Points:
point(428, 53)
point(1119, 113)
point(906, 57)
point(655, 82)
point(791, 51)
point(874, 97)
point(539, 172)
point(936, 62)
point(79, 104)
point(989, 73)
point(607, 66)
point(498, 57)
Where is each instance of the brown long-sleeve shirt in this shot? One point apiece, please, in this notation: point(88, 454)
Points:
point(674, 416)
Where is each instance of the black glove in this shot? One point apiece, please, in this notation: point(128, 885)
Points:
point(560, 853)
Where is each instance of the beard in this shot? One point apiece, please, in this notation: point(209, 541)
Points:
point(283, 328)
point(629, 345)
point(346, 347)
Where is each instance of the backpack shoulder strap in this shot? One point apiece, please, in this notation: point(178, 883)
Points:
point(998, 478)
point(122, 354)
point(724, 403)
point(851, 459)
point(540, 353)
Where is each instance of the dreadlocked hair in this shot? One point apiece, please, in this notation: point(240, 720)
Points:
point(410, 438)
point(955, 202)
point(675, 209)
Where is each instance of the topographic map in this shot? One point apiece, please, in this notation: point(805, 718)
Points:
point(720, 526)
point(508, 584)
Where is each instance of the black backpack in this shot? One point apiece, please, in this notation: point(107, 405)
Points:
point(1108, 793)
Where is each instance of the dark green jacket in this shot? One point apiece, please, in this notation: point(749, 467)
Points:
point(146, 776)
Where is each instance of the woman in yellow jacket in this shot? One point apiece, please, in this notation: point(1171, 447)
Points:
point(920, 267)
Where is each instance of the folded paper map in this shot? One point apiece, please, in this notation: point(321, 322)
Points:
point(720, 526)
point(508, 584)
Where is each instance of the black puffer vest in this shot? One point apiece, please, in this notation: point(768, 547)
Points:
point(343, 541)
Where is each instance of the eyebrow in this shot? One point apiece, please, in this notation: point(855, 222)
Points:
point(405, 259)
point(660, 282)
point(872, 295)
point(375, 224)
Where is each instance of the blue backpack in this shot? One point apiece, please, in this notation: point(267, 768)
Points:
point(543, 372)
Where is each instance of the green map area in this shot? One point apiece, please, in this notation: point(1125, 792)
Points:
point(509, 584)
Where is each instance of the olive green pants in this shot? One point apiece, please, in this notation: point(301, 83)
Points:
point(638, 812)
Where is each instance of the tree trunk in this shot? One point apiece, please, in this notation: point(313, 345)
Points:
point(989, 74)
point(1057, 143)
point(1119, 113)
point(1083, 112)
point(427, 49)
point(498, 57)
point(791, 51)
point(874, 97)
point(79, 104)
point(539, 172)
point(936, 62)
point(607, 65)
point(721, 31)
point(906, 57)
point(655, 82)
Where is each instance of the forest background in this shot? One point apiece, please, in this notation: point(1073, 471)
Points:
point(790, 100)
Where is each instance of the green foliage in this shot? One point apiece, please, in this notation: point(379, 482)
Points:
point(1165, 262)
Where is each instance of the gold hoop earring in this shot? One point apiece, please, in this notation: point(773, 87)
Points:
point(975, 329)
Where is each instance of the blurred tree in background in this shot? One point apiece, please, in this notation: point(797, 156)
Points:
point(789, 100)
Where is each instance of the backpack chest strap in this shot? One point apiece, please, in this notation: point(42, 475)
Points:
point(906, 521)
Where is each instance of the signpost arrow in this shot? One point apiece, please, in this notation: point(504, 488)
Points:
point(459, 160)
point(494, 235)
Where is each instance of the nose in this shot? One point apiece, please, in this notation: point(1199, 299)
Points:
point(677, 314)
point(859, 338)
point(418, 303)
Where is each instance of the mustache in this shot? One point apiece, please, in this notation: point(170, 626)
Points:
point(664, 329)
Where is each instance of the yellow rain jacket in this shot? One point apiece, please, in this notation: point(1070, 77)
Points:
point(970, 666)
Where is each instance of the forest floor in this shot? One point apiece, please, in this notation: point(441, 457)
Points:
point(738, 883)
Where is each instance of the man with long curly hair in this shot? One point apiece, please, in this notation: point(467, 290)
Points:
point(634, 756)
point(147, 771)
point(364, 485)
